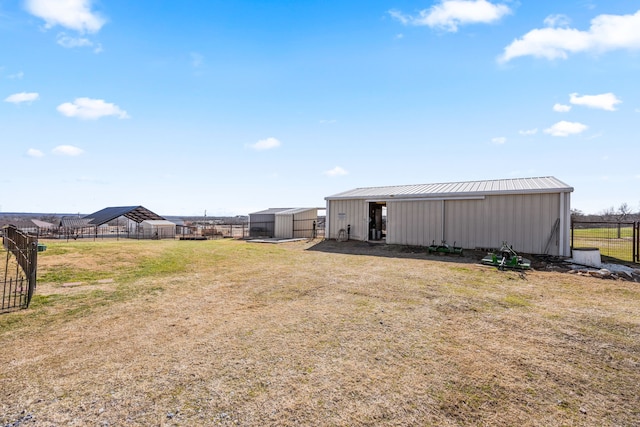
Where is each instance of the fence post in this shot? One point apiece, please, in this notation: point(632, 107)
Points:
point(572, 234)
point(636, 242)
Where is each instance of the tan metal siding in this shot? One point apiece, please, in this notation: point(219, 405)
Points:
point(298, 224)
point(354, 213)
point(524, 221)
point(283, 226)
point(415, 223)
point(303, 223)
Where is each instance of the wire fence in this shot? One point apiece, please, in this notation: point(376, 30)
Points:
point(619, 240)
point(191, 231)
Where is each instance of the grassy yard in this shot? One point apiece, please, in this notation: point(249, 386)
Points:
point(226, 332)
point(612, 242)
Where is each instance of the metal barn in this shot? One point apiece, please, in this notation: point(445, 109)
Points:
point(531, 214)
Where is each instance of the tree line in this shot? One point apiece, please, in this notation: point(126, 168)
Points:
point(622, 213)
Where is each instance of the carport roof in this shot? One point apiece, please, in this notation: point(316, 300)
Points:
point(282, 211)
point(547, 184)
point(270, 211)
point(134, 213)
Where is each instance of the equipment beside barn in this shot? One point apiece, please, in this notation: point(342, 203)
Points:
point(506, 257)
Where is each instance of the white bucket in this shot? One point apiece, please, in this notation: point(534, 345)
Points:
point(587, 256)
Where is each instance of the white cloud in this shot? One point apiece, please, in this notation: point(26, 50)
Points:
point(337, 171)
point(68, 150)
point(87, 108)
point(18, 98)
point(450, 14)
point(558, 20)
point(528, 132)
point(266, 144)
point(564, 128)
point(606, 33)
point(17, 76)
point(605, 101)
point(70, 42)
point(32, 152)
point(72, 14)
point(499, 140)
point(561, 108)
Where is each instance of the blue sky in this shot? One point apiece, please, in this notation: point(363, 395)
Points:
point(237, 106)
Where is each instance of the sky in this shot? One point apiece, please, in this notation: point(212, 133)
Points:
point(232, 107)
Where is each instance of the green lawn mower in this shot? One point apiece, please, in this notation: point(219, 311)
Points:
point(506, 257)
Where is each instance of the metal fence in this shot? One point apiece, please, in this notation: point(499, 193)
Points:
point(236, 230)
point(306, 228)
point(19, 264)
point(620, 240)
point(301, 228)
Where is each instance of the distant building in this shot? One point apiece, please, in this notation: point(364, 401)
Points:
point(157, 229)
point(31, 226)
point(140, 222)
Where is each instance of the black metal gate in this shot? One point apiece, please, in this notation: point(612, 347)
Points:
point(305, 228)
point(19, 263)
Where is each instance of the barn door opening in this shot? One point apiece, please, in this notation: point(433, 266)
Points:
point(377, 221)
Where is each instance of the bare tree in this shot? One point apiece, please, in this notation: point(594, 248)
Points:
point(608, 213)
point(576, 213)
point(623, 212)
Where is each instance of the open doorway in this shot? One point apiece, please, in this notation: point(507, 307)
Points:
point(377, 221)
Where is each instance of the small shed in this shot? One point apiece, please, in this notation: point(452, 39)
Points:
point(157, 229)
point(531, 214)
point(296, 223)
point(283, 223)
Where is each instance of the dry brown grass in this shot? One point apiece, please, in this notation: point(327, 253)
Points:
point(318, 334)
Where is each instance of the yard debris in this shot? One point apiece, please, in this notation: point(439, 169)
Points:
point(612, 271)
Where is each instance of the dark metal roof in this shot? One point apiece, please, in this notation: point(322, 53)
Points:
point(134, 213)
point(74, 222)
